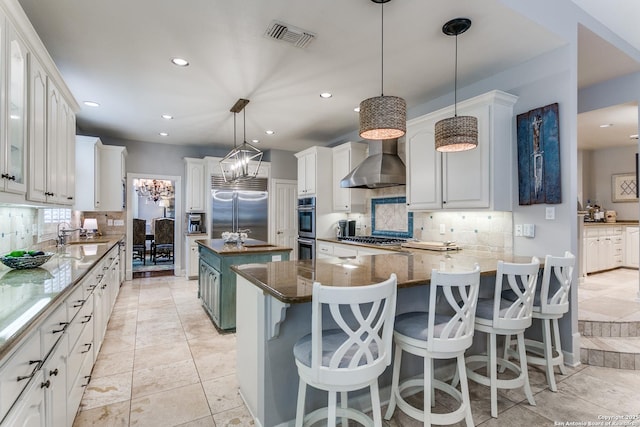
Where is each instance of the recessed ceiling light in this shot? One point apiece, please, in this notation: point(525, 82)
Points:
point(606, 125)
point(269, 132)
point(91, 104)
point(167, 116)
point(164, 134)
point(180, 62)
point(325, 95)
point(255, 141)
point(633, 136)
point(357, 109)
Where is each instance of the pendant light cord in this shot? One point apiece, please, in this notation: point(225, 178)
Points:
point(455, 84)
point(382, 49)
point(244, 132)
point(234, 130)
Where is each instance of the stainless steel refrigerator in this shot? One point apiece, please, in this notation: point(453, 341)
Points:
point(242, 205)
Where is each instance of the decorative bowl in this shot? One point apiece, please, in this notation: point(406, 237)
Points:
point(23, 262)
point(230, 237)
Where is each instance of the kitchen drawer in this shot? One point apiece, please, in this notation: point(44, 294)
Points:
point(83, 349)
point(80, 322)
point(76, 389)
point(16, 372)
point(52, 329)
point(325, 249)
point(211, 259)
point(74, 302)
point(592, 232)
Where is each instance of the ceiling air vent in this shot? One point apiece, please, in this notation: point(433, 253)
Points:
point(287, 33)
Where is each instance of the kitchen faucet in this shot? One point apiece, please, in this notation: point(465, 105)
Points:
point(64, 232)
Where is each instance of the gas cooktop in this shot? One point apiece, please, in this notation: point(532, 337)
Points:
point(373, 240)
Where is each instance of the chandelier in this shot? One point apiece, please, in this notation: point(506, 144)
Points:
point(235, 165)
point(154, 189)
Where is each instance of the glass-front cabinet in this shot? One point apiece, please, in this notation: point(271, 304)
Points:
point(13, 141)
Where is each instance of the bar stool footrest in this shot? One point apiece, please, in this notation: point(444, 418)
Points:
point(440, 418)
point(479, 361)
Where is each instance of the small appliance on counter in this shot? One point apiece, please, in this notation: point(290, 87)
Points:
point(610, 216)
point(346, 228)
point(194, 223)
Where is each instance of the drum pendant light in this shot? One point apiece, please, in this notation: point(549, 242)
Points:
point(457, 133)
point(383, 117)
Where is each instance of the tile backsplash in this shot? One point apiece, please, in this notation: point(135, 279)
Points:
point(489, 231)
point(26, 228)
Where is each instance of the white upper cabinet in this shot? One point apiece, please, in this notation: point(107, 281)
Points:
point(315, 174)
point(101, 175)
point(13, 140)
point(37, 117)
point(476, 179)
point(345, 158)
point(194, 194)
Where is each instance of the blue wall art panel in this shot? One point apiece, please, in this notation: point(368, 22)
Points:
point(539, 156)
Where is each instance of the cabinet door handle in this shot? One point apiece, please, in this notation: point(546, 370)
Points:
point(88, 378)
point(88, 345)
point(70, 198)
point(45, 384)
point(64, 326)
point(88, 319)
point(35, 369)
point(79, 303)
point(54, 373)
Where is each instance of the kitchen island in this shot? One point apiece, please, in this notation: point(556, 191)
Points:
point(274, 311)
point(216, 282)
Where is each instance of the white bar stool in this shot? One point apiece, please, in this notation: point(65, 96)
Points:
point(548, 306)
point(435, 335)
point(351, 357)
point(497, 316)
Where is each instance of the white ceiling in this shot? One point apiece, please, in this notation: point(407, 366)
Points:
point(118, 53)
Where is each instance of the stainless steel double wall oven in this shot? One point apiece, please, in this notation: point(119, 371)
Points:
point(307, 228)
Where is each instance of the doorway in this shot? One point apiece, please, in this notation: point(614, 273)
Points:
point(153, 201)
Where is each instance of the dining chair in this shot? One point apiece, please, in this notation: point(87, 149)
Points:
point(139, 246)
point(549, 305)
point(163, 239)
point(350, 356)
point(445, 331)
point(498, 316)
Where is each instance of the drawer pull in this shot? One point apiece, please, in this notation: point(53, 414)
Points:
point(87, 319)
point(88, 378)
point(45, 384)
point(79, 303)
point(64, 326)
point(26, 377)
point(105, 268)
point(99, 276)
point(88, 345)
point(54, 373)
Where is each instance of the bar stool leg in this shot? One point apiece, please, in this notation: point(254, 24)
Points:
point(548, 354)
point(331, 419)
point(464, 387)
point(428, 390)
point(395, 382)
point(343, 404)
point(302, 391)
point(558, 346)
point(375, 404)
point(524, 369)
point(493, 373)
point(505, 356)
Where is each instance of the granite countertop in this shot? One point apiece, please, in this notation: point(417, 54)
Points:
point(28, 295)
point(249, 247)
point(292, 281)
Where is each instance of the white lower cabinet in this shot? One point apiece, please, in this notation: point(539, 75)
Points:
point(43, 380)
point(604, 248)
point(191, 251)
point(344, 250)
point(632, 247)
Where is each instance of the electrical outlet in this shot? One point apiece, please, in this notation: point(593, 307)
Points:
point(442, 229)
point(110, 222)
point(518, 230)
point(275, 258)
point(550, 213)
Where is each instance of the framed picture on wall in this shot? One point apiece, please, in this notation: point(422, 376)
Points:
point(624, 187)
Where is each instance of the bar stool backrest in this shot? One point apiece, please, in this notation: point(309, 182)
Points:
point(521, 279)
point(562, 269)
point(365, 314)
point(460, 291)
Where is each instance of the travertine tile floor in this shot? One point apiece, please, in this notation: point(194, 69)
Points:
point(163, 364)
point(610, 296)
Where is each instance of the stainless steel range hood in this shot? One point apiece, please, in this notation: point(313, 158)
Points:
point(383, 167)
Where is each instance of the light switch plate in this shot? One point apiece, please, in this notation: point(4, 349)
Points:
point(529, 230)
point(442, 229)
point(550, 212)
point(118, 222)
point(518, 230)
point(275, 258)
